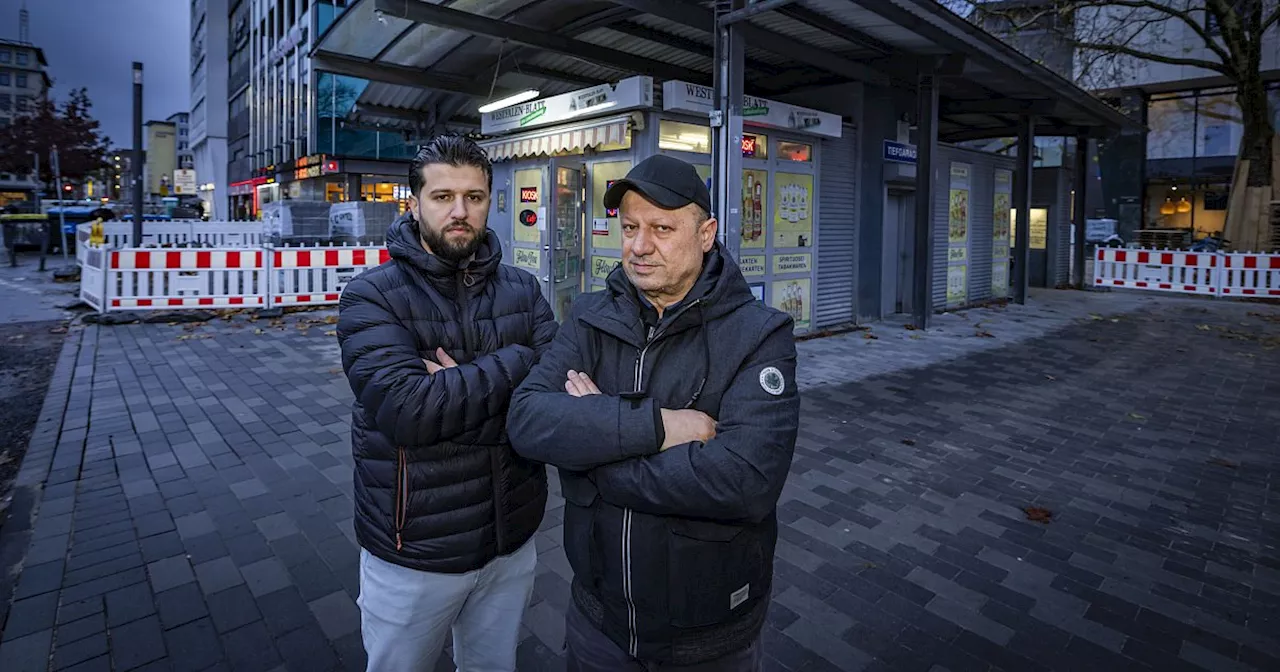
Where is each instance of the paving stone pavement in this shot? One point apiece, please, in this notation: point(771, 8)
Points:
point(186, 500)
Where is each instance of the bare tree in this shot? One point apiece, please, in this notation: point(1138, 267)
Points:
point(1112, 40)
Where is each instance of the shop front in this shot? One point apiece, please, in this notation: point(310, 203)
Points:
point(973, 225)
point(549, 184)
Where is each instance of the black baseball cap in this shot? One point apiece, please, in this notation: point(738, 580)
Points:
point(665, 180)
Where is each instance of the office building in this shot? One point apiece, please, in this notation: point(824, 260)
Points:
point(24, 81)
point(207, 136)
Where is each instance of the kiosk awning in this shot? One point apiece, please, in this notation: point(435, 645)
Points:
point(577, 137)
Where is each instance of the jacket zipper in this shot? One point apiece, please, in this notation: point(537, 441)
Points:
point(468, 338)
point(402, 496)
point(633, 640)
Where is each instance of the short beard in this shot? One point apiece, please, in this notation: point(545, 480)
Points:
point(437, 244)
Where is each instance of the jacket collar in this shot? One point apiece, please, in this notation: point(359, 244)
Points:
point(405, 244)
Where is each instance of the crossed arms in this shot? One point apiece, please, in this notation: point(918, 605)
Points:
point(731, 468)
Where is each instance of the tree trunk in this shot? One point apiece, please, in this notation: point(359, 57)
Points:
point(1247, 225)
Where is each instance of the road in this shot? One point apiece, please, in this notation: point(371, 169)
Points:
point(1088, 482)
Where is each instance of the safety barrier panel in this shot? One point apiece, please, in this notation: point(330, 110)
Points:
point(1208, 273)
point(168, 234)
point(1246, 274)
point(314, 276)
point(249, 276)
point(157, 279)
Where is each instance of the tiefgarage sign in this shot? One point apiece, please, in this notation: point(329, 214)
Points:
point(628, 94)
point(680, 96)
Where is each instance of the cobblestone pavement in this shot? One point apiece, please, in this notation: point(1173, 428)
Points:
point(30, 295)
point(186, 501)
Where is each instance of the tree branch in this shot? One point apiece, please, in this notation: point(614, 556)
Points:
point(1157, 58)
point(1186, 16)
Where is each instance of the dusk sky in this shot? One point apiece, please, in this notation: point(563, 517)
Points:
point(93, 44)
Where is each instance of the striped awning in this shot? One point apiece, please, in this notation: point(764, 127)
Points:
point(575, 137)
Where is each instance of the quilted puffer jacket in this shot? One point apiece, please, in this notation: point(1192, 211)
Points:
point(437, 486)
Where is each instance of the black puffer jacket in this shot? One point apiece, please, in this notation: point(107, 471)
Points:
point(437, 487)
point(672, 551)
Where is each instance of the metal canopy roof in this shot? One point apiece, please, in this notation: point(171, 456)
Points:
point(429, 65)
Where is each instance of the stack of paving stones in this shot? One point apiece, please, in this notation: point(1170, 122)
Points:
point(186, 501)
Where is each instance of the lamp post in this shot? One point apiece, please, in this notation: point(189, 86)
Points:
point(137, 154)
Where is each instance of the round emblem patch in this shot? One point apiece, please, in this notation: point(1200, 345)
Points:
point(771, 380)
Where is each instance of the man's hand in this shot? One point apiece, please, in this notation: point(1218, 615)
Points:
point(580, 385)
point(686, 425)
point(446, 362)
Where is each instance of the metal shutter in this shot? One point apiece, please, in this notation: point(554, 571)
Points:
point(837, 229)
point(981, 227)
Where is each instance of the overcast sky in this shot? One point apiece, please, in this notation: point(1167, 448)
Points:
point(93, 43)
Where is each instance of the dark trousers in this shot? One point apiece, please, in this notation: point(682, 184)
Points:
point(589, 650)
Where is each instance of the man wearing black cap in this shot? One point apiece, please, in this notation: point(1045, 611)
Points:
point(668, 402)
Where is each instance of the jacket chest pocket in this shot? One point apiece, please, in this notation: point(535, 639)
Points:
point(714, 571)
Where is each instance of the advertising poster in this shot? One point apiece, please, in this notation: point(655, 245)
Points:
point(958, 234)
point(528, 201)
point(1000, 233)
point(755, 186)
point(752, 265)
point(527, 259)
point(792, 297)
point(957, 284)
point(606, 232)
point(793, 210)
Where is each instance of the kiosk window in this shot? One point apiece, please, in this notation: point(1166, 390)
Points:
point(795, 151)
point(678, 136)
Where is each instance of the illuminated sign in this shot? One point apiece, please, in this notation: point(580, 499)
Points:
point(528, 218)
point(528, 194)
point(609, 212)
point(749, 145)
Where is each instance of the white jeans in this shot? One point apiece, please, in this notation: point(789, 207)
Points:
point(405, 613)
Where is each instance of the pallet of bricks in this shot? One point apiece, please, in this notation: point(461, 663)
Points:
point(1164, 239)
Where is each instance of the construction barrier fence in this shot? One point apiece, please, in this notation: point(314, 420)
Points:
point(1228, 274)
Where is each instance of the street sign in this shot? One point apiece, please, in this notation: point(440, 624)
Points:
point(899, 152)
point(184, 182)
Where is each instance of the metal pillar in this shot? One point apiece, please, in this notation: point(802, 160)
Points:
point(137, 154)
point(1081, 189)
point(1022, 204)
point(726, 130)
point(927, 144)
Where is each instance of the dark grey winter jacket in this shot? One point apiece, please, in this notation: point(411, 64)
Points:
point(672, 551)
point(437, 487)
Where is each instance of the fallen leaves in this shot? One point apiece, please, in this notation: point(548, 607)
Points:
point(1137, 416)
point(331, 333)
point(910, 327)
point(908, 442)
point(58, 330)
point(194, 337)
point(1222, 462)
point(1203, 327)
point(259, 332)
point(984, 334)
point(1049, 377)
point(1037, 514)
point(870, 336)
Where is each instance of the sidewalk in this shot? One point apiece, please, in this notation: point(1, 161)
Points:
point(186, 500)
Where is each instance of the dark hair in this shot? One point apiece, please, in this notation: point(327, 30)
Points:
point(454, 150)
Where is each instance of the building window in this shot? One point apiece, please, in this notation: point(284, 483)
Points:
point(6, 102)
point(22, 81)
point(4, 79)
point(755, 146)
point(4, 121)
point(22, 58)
point(4, 55)
point(24, 103)
point(795, 151)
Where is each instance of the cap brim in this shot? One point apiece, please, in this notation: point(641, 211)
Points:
point(662, 196)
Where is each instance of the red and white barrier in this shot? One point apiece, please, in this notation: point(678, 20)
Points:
point(1164, 270)
point(1246, 274)
point(1209, 273)
point(260, 277)
point(119, 235)
point(146, 279)
point(316, 276)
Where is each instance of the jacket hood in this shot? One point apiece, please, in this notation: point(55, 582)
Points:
point(719, 290)
point(405, 244)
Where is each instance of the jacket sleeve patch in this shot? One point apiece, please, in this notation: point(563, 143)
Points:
point(771, 380)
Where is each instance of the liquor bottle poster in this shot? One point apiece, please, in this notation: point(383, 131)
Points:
point(793, 210)
point(755, 187)
point(793, 298)
point(602, 174)
point(528, 203)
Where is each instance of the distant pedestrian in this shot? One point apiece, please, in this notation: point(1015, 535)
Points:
point(668, 401)
point(433, 343)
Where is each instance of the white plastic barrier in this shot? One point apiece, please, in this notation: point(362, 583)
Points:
point(93, 275)
point(1229, 274)
point(317, 275)
point(1164, 270)
point(119, 235)
point(1248, 274)
point(142, 279)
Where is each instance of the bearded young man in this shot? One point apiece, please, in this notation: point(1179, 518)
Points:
point(433, 344)
point(668, 401)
